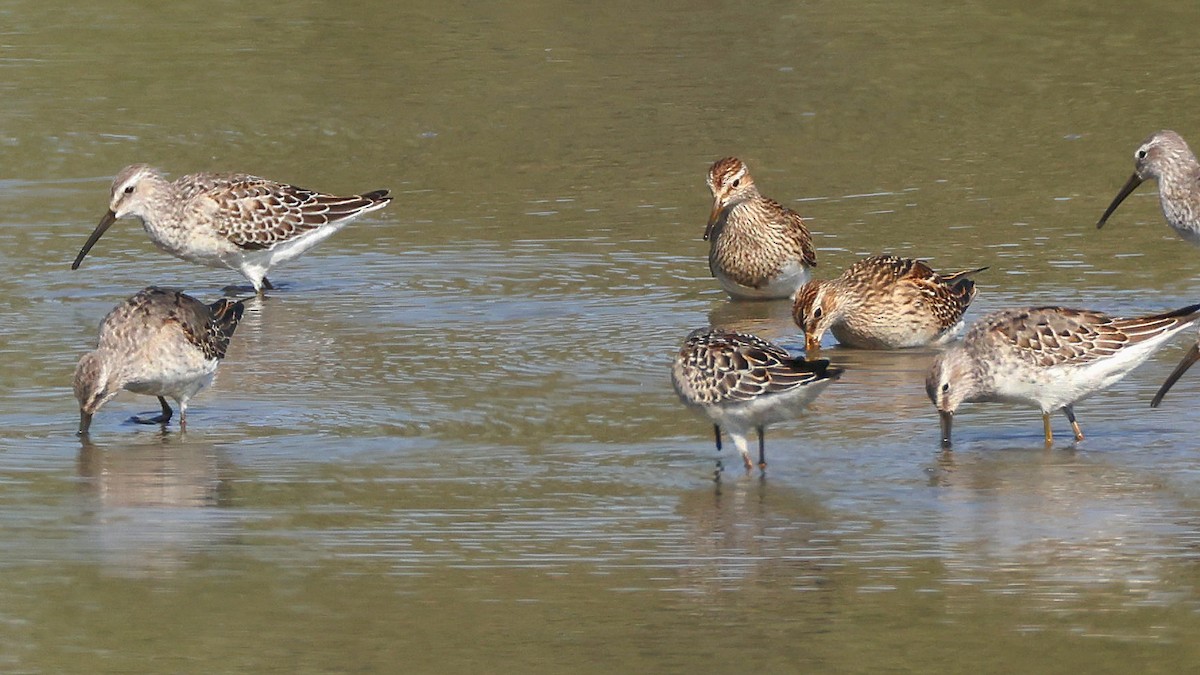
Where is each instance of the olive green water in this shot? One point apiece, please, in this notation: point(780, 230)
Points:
point(449, 442)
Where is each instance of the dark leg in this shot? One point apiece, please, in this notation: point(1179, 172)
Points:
point(267, 285)
point(717, 433)
point(158, 419)
point(762, 449)
point(1070, 413)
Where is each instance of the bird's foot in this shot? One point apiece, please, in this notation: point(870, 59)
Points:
point(157, 419)
point(235, 291)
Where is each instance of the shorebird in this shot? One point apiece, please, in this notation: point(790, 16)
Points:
point(160, 343)
point(1049, 357)
point(759, 249)
point(885, 302)
point(232, 220)
point(743, 383)
point(1166, 158)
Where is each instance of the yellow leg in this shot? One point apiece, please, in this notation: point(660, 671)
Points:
point(1046, 427)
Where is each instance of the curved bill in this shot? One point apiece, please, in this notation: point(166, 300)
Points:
point(947, 419)
point(85, 422)
point(108, 219)
point(1189, 359)
point(712, 219)
point(1130, 185)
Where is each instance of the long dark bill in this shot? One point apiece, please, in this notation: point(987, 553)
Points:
point(85, 423)
point(1189, 358)
point(108, 219)
point(712, 219)
point(947, 420)
point(1130, 185)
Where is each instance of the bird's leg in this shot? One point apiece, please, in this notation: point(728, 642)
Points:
point(258, 288)
point(762, 449)
point(183, 416)
point(264, 286)
point(1070, 413)
point(1046, 427)
point(162, 418)
point(742, 441)
point(717, 433)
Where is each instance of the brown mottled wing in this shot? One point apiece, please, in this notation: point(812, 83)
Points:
point(959, 277)
point(224, 316)
point(945, 297)
point(878, 268)
point(140, 320)
point(208, 327)
point(258, 214)
point(1051, 336)
point(798, 234)
point(724, 366)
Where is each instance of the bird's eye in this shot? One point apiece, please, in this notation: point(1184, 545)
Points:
point(737, 182)
point(1141, 154)
point(128, 189)
point(946, 387)
point(817, 313)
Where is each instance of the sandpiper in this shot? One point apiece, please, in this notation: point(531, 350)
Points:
point(1166, 158)
point(742, 383)
point(885, 302)
point(1050, 357)
point(160, 343)
point(759, 249)
point(232, 220)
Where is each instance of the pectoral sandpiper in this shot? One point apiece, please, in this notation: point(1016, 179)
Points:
point(885, 302)
point(759, 249)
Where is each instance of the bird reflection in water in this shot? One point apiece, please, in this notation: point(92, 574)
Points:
point(152, 503)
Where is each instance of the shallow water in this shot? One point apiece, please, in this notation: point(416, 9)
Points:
point(449, 442)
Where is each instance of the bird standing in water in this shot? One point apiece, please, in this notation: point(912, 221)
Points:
point(160, 343)
point(743, 383)
point(885, 302)
point(1050, 357)
point(759, 249)
point(233, 220)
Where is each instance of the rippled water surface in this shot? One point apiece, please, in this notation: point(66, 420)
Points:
point(448, 443)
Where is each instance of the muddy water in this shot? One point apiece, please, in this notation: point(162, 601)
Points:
point(449, 443)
